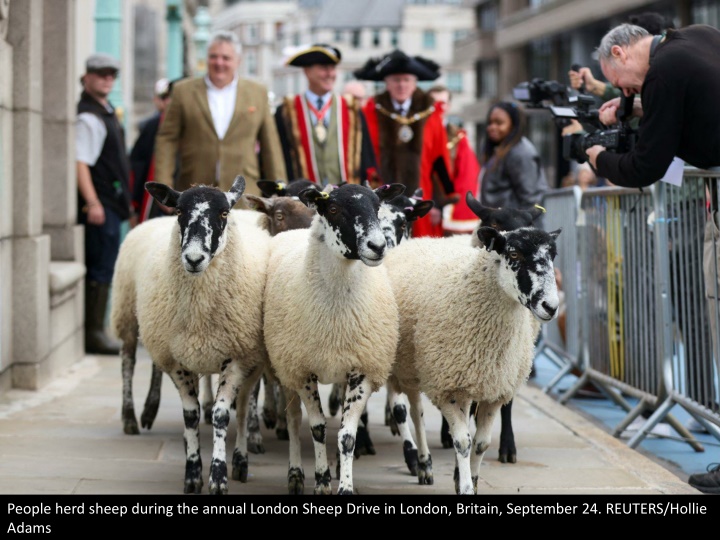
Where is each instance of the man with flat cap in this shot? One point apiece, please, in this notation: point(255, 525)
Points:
point(103, 175)
point(407, 132)
point(323, 135)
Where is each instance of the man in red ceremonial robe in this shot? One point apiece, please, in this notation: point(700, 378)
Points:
point(323, 135)
point(407, 132)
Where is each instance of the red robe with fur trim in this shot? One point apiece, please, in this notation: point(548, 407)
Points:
point(458, 218)
point(410, 163)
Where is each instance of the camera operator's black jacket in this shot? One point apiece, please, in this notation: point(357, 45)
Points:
point(681, 110)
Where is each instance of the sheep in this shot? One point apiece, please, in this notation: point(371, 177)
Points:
point(191, 289)
point(502, 219)
point(330, 316)
point(396, 217)
point(467, 330)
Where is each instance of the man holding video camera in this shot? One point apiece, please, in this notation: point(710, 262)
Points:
point(677, 75)
point(678, 78)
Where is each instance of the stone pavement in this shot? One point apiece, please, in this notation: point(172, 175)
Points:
point(68, 439)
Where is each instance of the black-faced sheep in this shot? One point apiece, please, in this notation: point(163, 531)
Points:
point(192, 291)
point(330, 316)
point(467, 330)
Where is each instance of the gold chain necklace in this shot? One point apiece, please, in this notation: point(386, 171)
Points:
point(405, 134)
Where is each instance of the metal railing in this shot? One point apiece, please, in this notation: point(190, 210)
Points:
point(641, 306)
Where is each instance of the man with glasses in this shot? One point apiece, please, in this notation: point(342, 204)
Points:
point(103, 173)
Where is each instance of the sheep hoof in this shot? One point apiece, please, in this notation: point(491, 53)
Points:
point(282, 434)
point(343, 491)
point(296, 481)
point(218, 477)
point(239, 466)
point(507, 457)
point(411, 458)
point(456, 478)
point(269, 418)
point(130, 427)
point(255, 444)
point(425, 473)
point(363, 444)
point(193, 485)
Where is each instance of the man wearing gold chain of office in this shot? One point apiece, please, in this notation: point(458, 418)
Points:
point(407, 132)
point(323, 135)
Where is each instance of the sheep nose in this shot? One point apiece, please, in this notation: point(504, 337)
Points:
point(376, 248)
point(195, 261)
point(549, 309)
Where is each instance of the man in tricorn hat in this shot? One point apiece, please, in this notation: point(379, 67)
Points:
point(323, 135)
point(407, 132)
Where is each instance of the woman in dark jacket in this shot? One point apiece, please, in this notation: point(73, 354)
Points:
point(512, 175)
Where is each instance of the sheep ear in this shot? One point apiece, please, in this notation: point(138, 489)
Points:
point(555, 234)
point(536, 211)
point(236, 190)
point(261, 204)
point(311, 197)
point(419, 210)
point(492, 239)
point(388, 191)
point(483, 212)
point(163, 194)
point(418, 194)
point(268, 188)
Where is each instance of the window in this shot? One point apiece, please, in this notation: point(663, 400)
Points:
point(428, 40)
point(455, 81)
point(251, 62)
point(355, 42)
point(394, 38)
point(296, 39)
point(487, 79)
point(706, 12)
point(376, 38)
point(251, 32)
point(338, 36)
point(279, 31)
point(487, 17)
point(460, 34)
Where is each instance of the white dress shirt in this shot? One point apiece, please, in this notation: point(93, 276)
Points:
point(222, 104)
point(405, 105)
point(313, 99)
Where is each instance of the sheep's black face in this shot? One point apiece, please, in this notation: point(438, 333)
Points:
point(527, 271)
point(203, 217)
point(397, 215)
point(503, 219)
point(349, 222)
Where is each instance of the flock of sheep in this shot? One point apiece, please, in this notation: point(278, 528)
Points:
point(327, 287)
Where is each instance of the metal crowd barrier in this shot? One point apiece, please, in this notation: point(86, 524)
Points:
point(645, 315)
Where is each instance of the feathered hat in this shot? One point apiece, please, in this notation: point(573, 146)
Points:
point(376, 69)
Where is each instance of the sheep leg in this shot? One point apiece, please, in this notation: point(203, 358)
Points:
point(206, 397)
point(364, 445)
point(456, 414)
point(389, 418)
point(445, 437)
point(296, 476)
point(247, 393)
point(127, 353)
point(507, 450)
point(152, 401)
point(336, 398)
point(318, 428)
point(269, 411)
point(231, 378)
point(425, 472)
point(187, 385)
point(357, 392)
point(281, 430)
point(410, 451)
point(484, 418)
point(255, 440)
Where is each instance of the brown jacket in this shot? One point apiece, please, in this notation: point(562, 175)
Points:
point(188, 132)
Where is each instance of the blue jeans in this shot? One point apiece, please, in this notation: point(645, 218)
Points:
point(102, 244)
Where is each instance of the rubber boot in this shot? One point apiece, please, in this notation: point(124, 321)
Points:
point(96, 340)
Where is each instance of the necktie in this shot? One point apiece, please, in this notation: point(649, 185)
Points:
point(400, 111)
point(319, 104)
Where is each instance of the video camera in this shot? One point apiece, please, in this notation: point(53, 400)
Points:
point(567, 105)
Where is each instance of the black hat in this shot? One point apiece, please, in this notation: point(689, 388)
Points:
point(319, 53)
point(376, 69)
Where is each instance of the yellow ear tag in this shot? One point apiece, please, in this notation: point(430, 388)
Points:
point(280, 186)
point(541, 208)
point(324, 195)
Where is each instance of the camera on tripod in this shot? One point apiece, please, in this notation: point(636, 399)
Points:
point(568, 105)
